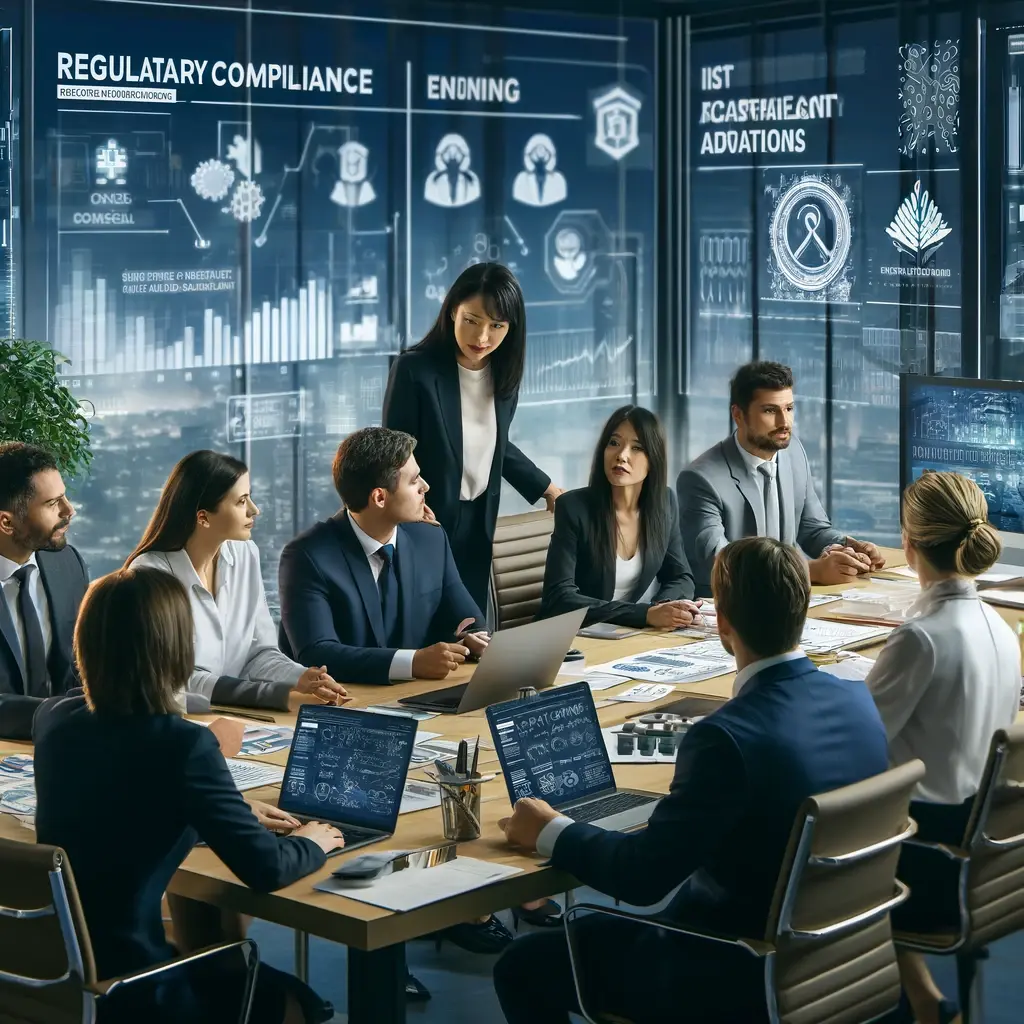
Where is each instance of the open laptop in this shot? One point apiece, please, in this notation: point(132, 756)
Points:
point(550, 746)
point(529, 655)
point(347, 768)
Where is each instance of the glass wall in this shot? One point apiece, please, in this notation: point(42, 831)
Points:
point(826, 232)
point(235, 220)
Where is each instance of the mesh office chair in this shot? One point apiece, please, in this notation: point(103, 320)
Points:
point(827, 953)
point(47, 970)
point(990, 880)
point(517, 566)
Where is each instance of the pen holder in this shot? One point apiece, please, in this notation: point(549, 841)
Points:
point(460, 810)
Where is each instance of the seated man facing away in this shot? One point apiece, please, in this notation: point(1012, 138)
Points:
point(790, 731)
point(373, 592)
point(757, 483)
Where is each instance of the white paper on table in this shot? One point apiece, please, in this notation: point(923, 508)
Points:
point(407, 890)
point(855, 666)
point(902, 570)
point(419, 796)
point(572, 668)
point(668, 665)
point(1009, 598)
point(643, 693)
point(820, 599)
point(709, 650)
point(595, 680)
point(822, 636)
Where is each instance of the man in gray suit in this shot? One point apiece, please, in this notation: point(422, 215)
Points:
point(43, 580)
point(758, 483)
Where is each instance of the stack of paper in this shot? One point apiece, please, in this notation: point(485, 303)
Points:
point(821, 636)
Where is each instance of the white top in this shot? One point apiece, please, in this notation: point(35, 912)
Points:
point(944, 682)
point(753, 464)
point(401, 663)
point(479, 431)
point(627, 572)
point(235, 636)
point(37, 592)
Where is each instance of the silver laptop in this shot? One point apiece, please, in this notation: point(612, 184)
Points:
point(529, 655)
point(550, 746)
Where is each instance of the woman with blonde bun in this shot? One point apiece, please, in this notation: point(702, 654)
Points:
point(945, 681)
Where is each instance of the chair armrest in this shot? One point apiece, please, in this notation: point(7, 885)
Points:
point(947, 850)
point(104, 988)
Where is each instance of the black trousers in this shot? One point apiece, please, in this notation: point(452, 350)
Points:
point(632, 971)
point(469, 535)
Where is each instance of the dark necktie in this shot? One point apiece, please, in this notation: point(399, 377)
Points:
point(772, 527)
point(35, 648)
point(387, 583)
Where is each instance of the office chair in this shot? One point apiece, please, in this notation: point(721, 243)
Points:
point(990, 879)
point(517, 566)
point(47, 969)
point(827, 952)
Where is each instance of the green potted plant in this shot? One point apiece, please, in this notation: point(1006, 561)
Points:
point(37, 408)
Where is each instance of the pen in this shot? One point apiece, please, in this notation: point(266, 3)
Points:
point(461, 762)
point(251, 716)
point(476, 758)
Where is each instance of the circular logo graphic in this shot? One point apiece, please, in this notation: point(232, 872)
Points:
point(811, 235)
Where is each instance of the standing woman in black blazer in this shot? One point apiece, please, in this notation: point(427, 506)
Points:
point(616, 549)
point(456, 393)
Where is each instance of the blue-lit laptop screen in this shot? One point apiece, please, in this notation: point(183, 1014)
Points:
point(971, 427)
point(550, 746)
point(348, 766)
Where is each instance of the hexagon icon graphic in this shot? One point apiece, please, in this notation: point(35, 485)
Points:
point(617, 115)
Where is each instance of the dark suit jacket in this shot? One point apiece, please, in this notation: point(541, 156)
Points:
point(157, 784)
point(576, 576)
point(330, 604)
point(424, 400)
point(65, 581)
point(741, 775)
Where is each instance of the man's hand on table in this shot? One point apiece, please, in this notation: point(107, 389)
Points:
point(529, 816)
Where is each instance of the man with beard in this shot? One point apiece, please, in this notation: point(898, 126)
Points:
point(757, 483)
point(43, 580)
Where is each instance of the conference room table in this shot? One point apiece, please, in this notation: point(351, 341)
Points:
point(376, 937)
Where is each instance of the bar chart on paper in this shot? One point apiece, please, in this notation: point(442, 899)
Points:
point(100, 334)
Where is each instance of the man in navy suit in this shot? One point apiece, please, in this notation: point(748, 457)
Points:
point(789, 732)
point(43, 580)
point(373, 592)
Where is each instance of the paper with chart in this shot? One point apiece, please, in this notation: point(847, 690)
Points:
point(18, 787)
point(644, 693)
point(265, 739)
point(821, 636)
point(671, 665)
point(705, 623)
point(419, 796)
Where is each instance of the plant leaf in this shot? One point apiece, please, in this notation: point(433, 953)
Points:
point(918, 227)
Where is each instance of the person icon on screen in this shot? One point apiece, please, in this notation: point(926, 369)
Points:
point(570, 258)
point(352, 188)
point(540, 184)
point(452, 183)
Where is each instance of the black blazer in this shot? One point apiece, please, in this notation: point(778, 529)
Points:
point(330, 604)
point(159, 784)
point(65, 581)
point(423, 399)
point(576, 576)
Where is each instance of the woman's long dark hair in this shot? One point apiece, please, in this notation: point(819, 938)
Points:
point(653, 501)
point(503, 299)
point(198, 481)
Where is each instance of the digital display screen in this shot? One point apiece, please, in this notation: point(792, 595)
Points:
point(973, 427)
point(550, 746)
point(348, 766)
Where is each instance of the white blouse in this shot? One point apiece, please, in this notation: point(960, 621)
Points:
point(627, 572)
point(944, 682)
point(479, 431)
point(237, 657)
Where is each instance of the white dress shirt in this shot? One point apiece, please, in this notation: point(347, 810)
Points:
point(401, 663)
point(944, 682)
point(627, 572)
point(234, 633)
point(479, 431)
point(37, 592)
point(753, 464)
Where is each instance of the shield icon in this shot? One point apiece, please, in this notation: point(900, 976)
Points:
point(617, 113)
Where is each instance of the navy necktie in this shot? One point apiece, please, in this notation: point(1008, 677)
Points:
point(387, 583)
point(35, 648)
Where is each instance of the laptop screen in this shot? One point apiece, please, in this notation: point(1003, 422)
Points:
point(348, 766)
point(550, 746)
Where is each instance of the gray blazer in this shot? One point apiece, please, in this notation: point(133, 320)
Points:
point(720, 502)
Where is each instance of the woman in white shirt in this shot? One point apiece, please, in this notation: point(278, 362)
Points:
point(200, 533)
point(945, 681)
point(616, 549)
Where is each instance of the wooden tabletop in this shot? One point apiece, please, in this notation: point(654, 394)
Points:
point(203, 877)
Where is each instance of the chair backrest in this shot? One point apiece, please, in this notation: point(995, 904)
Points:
point(829, 923)
point(517, 566)
point(46, 958)
point(993, 897)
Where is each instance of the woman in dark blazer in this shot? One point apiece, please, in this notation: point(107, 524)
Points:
point(616, 549)
point(456, 393)
point(158, 784)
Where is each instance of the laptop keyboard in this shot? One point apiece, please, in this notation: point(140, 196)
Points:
point(352, 836)
point(607, 806)
point(253, 774)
